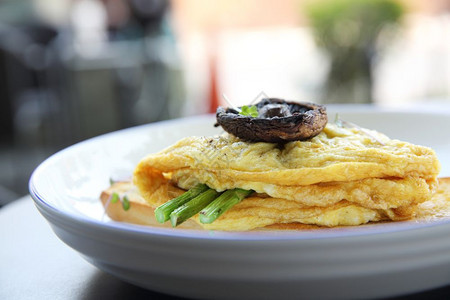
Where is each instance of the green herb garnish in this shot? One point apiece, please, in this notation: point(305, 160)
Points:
point(125, 203)
point(251, 111)
point(114, 198)
point(124, 200)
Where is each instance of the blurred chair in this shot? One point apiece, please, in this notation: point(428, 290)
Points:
point(62, 85)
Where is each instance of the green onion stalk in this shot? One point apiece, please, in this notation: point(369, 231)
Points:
point(192, 207)
point(162, 212)
point(223, 203)
point(209, 203)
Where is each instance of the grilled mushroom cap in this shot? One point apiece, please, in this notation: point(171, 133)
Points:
point(278, 121)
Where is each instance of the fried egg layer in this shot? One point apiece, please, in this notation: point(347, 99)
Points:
point(261, 210)
point(336, 154)
point(357, 173)
point(376, 193)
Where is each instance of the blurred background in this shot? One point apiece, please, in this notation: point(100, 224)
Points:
point(74, 69)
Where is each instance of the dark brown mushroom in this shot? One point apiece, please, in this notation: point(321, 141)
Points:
point(278, 121)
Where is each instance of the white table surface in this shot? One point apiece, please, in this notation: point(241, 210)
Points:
point(35, 264)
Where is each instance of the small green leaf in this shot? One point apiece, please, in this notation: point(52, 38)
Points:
point(251, 111)
point(114, 198)
point(125, 203)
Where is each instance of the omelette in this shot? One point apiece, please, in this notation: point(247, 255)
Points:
point(342, 176)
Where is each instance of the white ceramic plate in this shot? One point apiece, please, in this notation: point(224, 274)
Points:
point(377, 260)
